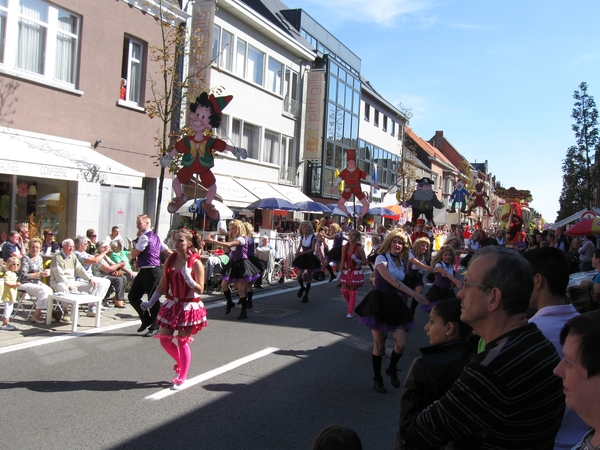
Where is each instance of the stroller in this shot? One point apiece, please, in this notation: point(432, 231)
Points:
point(214, 266)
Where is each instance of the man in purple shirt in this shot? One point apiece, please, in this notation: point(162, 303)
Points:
point(147, 250)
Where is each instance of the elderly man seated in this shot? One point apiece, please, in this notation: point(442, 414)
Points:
point(113, 272)
point(63, 268)
point(87, 261)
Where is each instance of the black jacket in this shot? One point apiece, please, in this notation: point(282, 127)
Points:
point(428, 379)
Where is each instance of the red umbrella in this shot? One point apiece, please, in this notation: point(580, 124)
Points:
point(585, 227)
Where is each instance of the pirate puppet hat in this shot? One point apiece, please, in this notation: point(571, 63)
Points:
point(425, 180)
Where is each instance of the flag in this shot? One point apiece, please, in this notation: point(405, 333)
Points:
point(341, 185)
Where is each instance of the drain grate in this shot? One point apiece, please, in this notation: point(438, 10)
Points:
point(368, 342)
point(269, 312)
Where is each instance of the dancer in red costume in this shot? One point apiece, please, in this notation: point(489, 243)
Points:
point(351, 177)
point(198, 150)
point(350, 272)
point(182, 281)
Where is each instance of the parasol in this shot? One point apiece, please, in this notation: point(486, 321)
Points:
point(585, 227)
point(312, 207)
point(273, 203)
point(187, 209)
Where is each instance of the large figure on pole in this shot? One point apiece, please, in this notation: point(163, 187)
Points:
point(351, 177)
point(197, 150)
point(423, 200)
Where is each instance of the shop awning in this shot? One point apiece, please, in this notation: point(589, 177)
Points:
point(44, 156)
point(291, 193)
point(233, 193)
point(260, 189)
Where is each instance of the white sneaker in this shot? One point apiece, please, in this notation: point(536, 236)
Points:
point(178, 385)
point(8, 327)
point(350, 316)
point(91, 312)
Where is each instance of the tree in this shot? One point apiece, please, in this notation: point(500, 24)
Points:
point(168, 86)
point(581, 175)
point(407, 174)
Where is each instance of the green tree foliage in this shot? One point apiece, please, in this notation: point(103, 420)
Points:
point(581, 175)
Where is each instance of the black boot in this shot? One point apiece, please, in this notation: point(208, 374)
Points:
point(243, 314)
point(378, 379)
point(305, 298)
point(392, 369)
point(302, 288)
point(331, 274)
point(230, 303)
point(249, 302)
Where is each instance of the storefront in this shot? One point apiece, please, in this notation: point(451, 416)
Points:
point(55, 183)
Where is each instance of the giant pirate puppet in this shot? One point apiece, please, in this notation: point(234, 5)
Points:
point(514, 216)
point(351, 177)
point(197, 150)
point(423, 200)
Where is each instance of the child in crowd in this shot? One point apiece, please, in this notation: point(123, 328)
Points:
point(444, 278)
point(9, 295)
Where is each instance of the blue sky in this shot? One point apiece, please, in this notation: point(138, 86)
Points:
point(496, 76)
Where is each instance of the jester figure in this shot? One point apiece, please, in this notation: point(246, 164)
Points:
point(459, 195)
point(351, 177)
point(197, 150)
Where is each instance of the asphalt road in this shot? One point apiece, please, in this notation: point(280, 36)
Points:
point(272, 381)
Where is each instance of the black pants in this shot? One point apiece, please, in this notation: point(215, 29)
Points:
point(145, 283)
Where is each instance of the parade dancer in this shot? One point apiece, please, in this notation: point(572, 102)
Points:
point(444, 278)
point(305, 259)
point(351, 274)
point(183, 282)
point(239, 270)
point(384, 309)
point(417, 261)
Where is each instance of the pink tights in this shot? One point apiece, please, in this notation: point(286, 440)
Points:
point(181, 353)
point(350, 297)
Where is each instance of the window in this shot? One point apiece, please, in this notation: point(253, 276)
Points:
point(3, 14)
point(274, 76)
point(222, 48)
point(247, 136)
point(393, 132)
point(367, 112)
point(255, 65)
point(271, 151)
point(46, 41)
point(385, 123)
point(291, 102)
point(376, 119)
point(240, 58)
point(132, 70)
point(289, 162)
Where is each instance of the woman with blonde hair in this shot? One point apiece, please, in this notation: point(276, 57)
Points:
point(351, 273)
point(239, 270)
point(384, 309)
point(254, 260)
point(417, 262)
point(444, 278)
point(305, 259)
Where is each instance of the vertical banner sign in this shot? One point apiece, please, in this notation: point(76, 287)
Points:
point(203, 21)
point(313, 130)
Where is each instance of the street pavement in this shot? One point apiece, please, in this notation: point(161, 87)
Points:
point(272, 381)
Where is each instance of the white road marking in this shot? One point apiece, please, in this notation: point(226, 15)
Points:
point(52, 340)
point(213, 373)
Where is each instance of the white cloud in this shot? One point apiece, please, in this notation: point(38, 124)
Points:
point(381, 12)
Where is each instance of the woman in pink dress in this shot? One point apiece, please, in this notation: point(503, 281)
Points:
point(182, 282)
point(351, 273)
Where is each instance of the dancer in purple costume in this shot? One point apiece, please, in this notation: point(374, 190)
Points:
point(444, 278)
point(305, 259)
point(239, 270)
point(384, 309)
